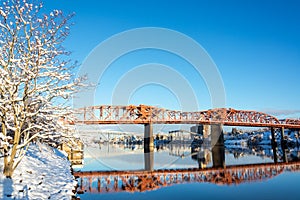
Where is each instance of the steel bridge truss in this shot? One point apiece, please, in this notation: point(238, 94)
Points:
point(144, 114)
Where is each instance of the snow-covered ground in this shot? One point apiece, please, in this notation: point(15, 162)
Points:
point(44, 173)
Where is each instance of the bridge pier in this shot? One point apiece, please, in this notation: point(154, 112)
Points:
point(217, 135)
point(218, 148)
point(148, 138)
point(283, 145)
point(148, 147)
point(274, 148)
point(274, 145)
point(285, 155)
point(201, 129)
point(149, 160)
point(218, 156)
point(282, 137)
point(273, 140)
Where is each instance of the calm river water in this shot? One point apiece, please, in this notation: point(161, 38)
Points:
point(177, 171)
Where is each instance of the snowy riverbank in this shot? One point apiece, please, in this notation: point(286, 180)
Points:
point(44, 173)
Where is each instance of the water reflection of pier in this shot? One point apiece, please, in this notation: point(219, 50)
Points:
point(139, 181)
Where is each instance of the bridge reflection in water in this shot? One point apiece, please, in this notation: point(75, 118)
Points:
point(149, 179)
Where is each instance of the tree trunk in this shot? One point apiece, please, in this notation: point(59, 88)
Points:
point(8, 167)
point(9, 160)
point(8, 163)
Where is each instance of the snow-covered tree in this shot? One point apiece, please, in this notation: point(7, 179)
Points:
point(36, 77)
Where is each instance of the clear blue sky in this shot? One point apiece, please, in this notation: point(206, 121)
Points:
point(255, 45)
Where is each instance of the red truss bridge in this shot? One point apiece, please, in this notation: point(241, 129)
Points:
point(144, 114)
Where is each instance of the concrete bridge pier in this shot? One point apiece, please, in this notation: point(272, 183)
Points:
point(149, 161)
point(218, 148)
point(148, 147)
point(282, 137)
point(283, 145)
point(284, 155)
point(218, 156)
point(148, 137)
point(274, 148)
point(273, 140)
point(217, 135)
point(274, 145)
